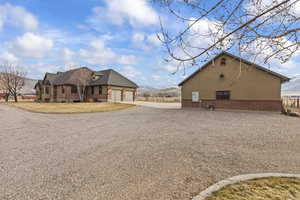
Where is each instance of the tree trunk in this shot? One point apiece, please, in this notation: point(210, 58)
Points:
point(16, 97)
point(6, 97)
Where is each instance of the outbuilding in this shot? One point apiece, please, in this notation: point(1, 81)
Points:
point(230, 82)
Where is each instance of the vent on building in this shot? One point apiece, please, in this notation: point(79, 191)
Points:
point(223, 61)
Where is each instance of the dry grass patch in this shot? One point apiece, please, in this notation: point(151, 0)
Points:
point(261, 189)
point(70, 107)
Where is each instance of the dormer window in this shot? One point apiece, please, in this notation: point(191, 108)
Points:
point(223, 61)
point(95, 77)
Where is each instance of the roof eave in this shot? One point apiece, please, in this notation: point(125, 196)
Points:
point(281, 77)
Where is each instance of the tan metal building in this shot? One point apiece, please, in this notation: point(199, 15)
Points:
point(230, 82)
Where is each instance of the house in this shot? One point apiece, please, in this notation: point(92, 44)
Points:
point(83, 84)
point(230, 82)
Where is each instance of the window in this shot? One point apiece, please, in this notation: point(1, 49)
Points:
point(223, 61)
point(73, 89)
point(62, 89)
point(100, 89)
point(222, 95)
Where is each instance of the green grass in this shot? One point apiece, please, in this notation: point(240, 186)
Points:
point(261, 189)
point(70, 107)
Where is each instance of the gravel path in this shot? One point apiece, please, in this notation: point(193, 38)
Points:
point(139, 153)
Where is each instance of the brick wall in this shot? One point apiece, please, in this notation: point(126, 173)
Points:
point(271, 105)
point(96, 96)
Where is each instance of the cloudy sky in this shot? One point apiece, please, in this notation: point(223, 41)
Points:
point(56, 35)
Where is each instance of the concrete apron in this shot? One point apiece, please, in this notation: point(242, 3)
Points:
point(208, 192)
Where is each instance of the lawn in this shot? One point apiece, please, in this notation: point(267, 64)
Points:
point(70, 107)
point(260, 189)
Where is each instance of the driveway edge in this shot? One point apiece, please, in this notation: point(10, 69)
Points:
point(208, 192)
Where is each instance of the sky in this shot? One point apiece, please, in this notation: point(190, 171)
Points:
point(58, 35)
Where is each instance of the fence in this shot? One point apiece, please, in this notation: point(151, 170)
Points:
point(291, 102)
point(159, 99)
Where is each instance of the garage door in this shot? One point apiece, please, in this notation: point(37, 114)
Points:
point(128, 96)
point(116, 95)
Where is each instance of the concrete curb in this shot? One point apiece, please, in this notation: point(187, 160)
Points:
point(208, 192)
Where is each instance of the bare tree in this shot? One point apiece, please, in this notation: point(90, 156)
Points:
point(12, 79)
point(82, 82)
point(258, 29)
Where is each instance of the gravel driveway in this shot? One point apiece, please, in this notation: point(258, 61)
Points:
point(139, 153)
point(158, 105)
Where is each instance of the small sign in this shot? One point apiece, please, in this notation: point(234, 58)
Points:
point(195, 96)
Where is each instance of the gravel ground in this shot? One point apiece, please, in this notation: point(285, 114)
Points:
point(158, 105)
point(139, 153)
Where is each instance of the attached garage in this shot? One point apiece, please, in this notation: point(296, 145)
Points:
point(116, 95)
point(128, 96)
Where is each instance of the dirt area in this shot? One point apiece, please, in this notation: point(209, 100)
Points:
point(65, 108)
point(265, 188)
point(139, 153)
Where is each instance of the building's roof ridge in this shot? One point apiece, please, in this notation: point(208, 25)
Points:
point(110, 77)
point(282, 77)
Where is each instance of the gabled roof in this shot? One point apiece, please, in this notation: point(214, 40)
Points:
point(49, 77)
point(281, 77)
point(75, 76)
point(111, 77)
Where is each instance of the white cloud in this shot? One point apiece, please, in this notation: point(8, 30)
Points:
point(138, 40)
point(201, 35)
point(130, 71)
point(127, 60)
point(170, 68)
point(153, 39)
point(254, 8)
point(156, 77)
point(145, 41)
point(17, 16)
point(202, 31)
point(137, 12)
point(7, 57)
point(67, 55)
point(32, 45)
point(290, 64)
point(98, 53)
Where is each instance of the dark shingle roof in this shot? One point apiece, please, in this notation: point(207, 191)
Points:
point(50, 77)
point(106, 77)
point(73, 77)
point(281, 77)
point(111, 77)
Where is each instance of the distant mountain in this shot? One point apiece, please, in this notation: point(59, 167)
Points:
point(292, 85)
point(172, 91)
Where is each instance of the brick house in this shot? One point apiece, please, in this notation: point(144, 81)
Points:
point(230, 82)
point(83, 84)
